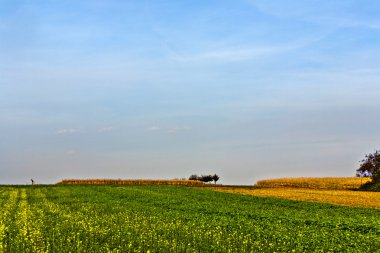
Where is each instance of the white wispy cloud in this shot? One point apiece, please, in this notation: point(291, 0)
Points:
point(236, 54)
point(153, 129)
point(67, 131)
point(217, 51)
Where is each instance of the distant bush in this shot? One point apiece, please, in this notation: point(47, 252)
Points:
point(194, 177)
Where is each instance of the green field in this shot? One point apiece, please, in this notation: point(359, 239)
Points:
point(176, 219)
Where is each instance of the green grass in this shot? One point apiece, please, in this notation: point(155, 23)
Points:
point(176, 219)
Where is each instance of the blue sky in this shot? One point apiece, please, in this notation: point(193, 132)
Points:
point(164, 89)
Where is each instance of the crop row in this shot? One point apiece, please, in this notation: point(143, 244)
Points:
point(175, 219)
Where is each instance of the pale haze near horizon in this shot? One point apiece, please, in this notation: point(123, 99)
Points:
point(165, 89)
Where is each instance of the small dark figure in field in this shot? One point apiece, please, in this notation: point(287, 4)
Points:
point(32, 181)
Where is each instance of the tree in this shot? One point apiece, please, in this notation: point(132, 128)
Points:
point(205, 178)
point(370, 166)
point(215, 178)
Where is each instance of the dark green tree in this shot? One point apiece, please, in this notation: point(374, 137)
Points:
point(206, 178)
point(215, 178)
point(370, 165)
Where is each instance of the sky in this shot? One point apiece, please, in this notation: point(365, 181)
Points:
point(246, 89)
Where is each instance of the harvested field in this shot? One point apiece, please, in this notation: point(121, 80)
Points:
point(337, 197)
point(327, 183)
point(333, 190)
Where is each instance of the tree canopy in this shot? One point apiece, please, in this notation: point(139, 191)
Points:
point(205, 178)
point(370, 166)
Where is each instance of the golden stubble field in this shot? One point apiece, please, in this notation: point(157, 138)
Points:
point(338, 191)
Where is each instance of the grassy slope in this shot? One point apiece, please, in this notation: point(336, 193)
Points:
point(165, 219)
